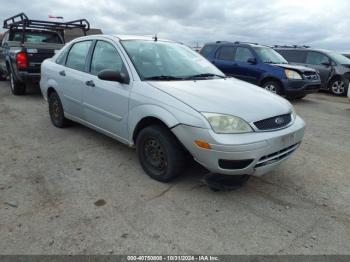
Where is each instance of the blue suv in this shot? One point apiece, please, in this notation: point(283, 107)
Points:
point(262, 66)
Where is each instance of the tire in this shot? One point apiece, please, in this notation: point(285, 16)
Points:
point(56, 111)
point(273, 87)
point(338, 87)
point(17, 88)
point(161, 155)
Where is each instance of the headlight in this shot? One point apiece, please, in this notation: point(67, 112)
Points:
point(291, 74)
point(226, 124)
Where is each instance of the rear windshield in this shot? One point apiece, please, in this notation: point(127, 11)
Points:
point(37, 37)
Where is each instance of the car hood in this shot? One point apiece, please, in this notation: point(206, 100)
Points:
point(226, 96)
point(301, 69)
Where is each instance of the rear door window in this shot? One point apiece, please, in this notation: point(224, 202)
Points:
point(293, 56)
point(77, 55)
point(243, 54)
point(207, 50)
point(61, 59)
point(226, 53)
point(315, 58)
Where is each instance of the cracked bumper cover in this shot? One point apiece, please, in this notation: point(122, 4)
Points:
point(266, 149)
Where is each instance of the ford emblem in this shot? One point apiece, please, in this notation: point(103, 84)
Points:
point(279, 120)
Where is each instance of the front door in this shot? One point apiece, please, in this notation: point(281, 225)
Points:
point(322, 64)
point(245, 69)
point(106, 102)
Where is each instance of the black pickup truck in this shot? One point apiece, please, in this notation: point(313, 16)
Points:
point(26, 44)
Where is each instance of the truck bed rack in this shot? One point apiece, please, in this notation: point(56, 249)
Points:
point(22, 22)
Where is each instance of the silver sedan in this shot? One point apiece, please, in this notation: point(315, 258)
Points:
point(170, 103)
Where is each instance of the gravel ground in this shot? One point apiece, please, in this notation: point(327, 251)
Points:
point(75, 191)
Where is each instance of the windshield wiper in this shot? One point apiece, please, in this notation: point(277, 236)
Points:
point(163, 77)
point(272, 62)
point(205, 75)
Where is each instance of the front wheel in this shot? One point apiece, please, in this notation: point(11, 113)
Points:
point(17, 88)
point(338, 87)
point(160, 153)
point(273, 87)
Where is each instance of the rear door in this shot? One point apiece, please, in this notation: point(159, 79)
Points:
point(72, 78)
point(106, 103)
point(245, 70)
point(316, 61)
point(224, 60)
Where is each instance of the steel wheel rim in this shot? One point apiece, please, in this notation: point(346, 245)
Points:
point(55, 110)
point(155, 154)
point(271, 87)
point(338, 87)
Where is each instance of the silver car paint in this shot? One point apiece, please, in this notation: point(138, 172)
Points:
point(115, 109)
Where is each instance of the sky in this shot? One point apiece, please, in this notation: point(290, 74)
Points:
point(320, 24)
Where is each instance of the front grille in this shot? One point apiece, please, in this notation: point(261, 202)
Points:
point(275, 122)
point(310, 75)
point(277, 156)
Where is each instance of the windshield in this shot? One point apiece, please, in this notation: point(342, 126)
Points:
point(37, 37)
point(339, 59)
point(157, 60)
point(270, 56)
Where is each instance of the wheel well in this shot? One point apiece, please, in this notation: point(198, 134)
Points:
point(50, 90)
point(338, 77)
point(269, 78)
point(147, 121)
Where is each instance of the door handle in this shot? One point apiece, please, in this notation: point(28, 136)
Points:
point(62, 73)
point(90, 83)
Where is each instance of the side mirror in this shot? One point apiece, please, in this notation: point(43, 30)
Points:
point(113, 75)
point(326, 63)
point(251, 60)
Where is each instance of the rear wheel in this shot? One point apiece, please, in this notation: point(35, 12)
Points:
point(273, 87)
point(17, 88)
point(338, 87)
point(56, 111)
point(160, 153)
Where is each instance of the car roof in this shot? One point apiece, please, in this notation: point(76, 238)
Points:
point(122, 37)
point(304, 49)
point(228, 43)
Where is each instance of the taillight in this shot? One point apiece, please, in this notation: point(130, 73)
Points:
point(22, 60)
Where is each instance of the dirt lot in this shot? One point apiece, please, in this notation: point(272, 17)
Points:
point(74, 191)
